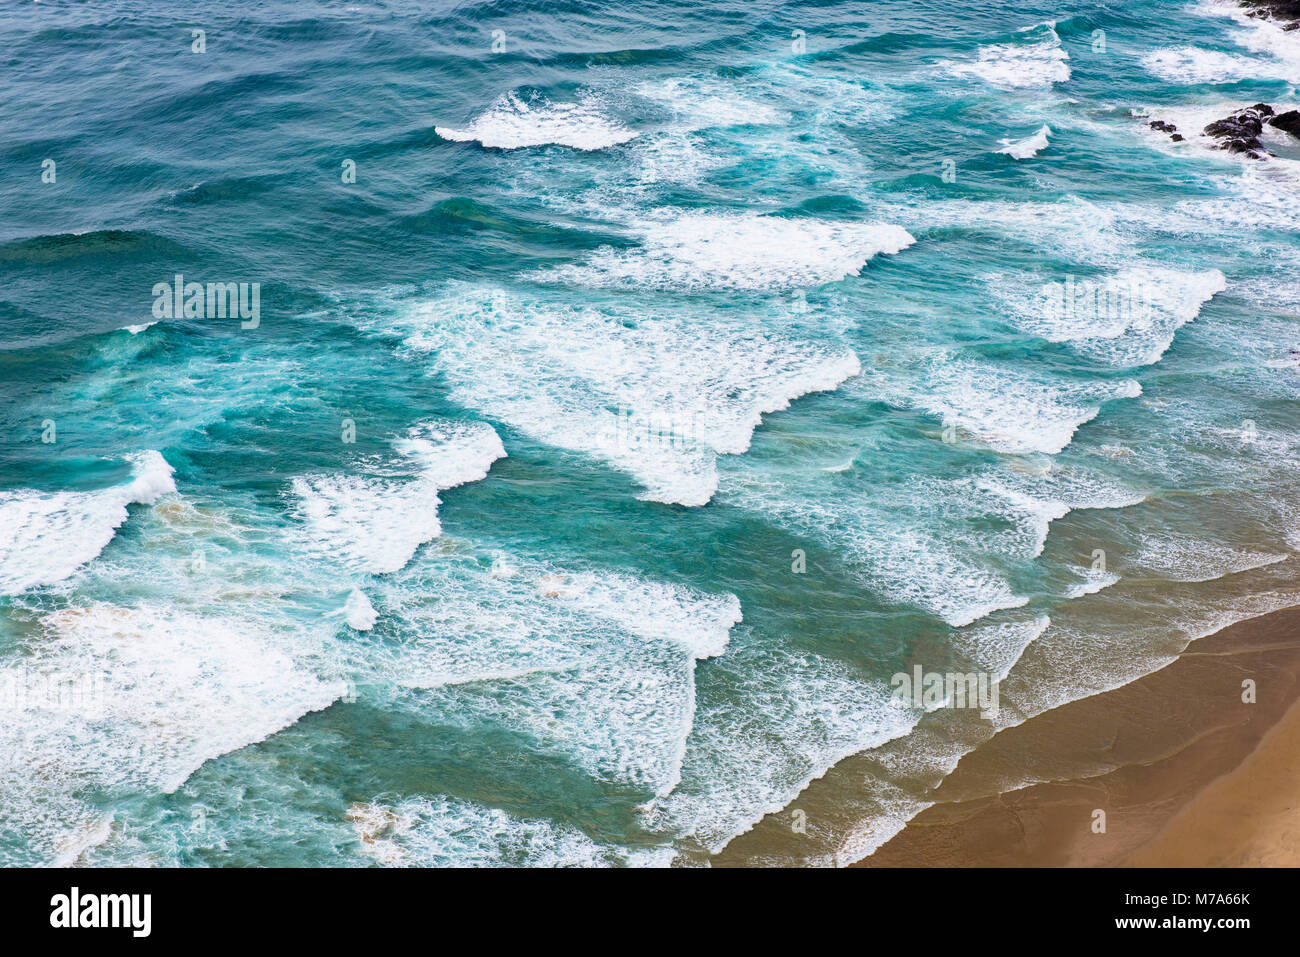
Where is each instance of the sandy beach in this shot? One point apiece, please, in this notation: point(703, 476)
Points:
point(1250, 817)
point(1203, 779)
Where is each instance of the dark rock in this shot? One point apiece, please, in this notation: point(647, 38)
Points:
point(1286, 12)
point(1288, 122)
point(1244, 124)
point(1177, 137)
point(1239, 133)
point(1162, 126)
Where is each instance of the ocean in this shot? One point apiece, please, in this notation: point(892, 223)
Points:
point(543, 433)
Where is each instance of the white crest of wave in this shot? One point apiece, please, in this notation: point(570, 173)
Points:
point(513, 123)
point(46, 536)
point(1036, 61)
point(1125, 318)
point(659, 398)
point(1029, 146)
point(1072, 226)
point(1075, 662)
point(801, 714)
point(154, 693)
point(359, 613)
point(595, 667)
point(1008, 409)
point(1182, 558)
point(1198, 65)
point(995, 649)
point(926, 542)
point(375, 522)
point(736, 251)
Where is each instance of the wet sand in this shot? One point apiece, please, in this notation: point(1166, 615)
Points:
point(1247, 818)
point(1183, 780)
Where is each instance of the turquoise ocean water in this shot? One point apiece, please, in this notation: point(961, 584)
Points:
point(634, 390)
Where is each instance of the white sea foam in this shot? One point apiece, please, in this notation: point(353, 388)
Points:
point(1078, 662)
point(1276, 49)
point(923, 570)
point(995, 649)
point(706, 102)
point(942, 565)
point(1073, 227)
point(534, 618)
point(359, 613)
point(799, 716)
point(1091, 581)
point(375, 521)
point(711, 102)
point(901, 556)
point(874, 831)
point(445, 832)
point(671, 158)
point(1028, 503)
point(696, 123)
point(597, 668)
point(736, 251)
point(657, 397)
point(514, 122)
point(46, 536)
point(1198, 65)
point(1186, 559)
point(1036, 60)
point(934, 544)
point(1126, 318)
point(1071, 664)
point(1007, 409)
point(168, 691)
point(1027, 147)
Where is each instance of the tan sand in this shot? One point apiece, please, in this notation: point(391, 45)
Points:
point(1202, 778)
point(1247, 818)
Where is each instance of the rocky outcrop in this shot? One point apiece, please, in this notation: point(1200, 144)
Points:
point(1287, 12)
point(1288, 122)
point(1169, 128)
point(1239, 133)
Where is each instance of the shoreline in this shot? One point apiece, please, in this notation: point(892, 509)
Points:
point(1194, 777)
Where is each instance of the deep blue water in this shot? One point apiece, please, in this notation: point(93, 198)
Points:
point(667, 378)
